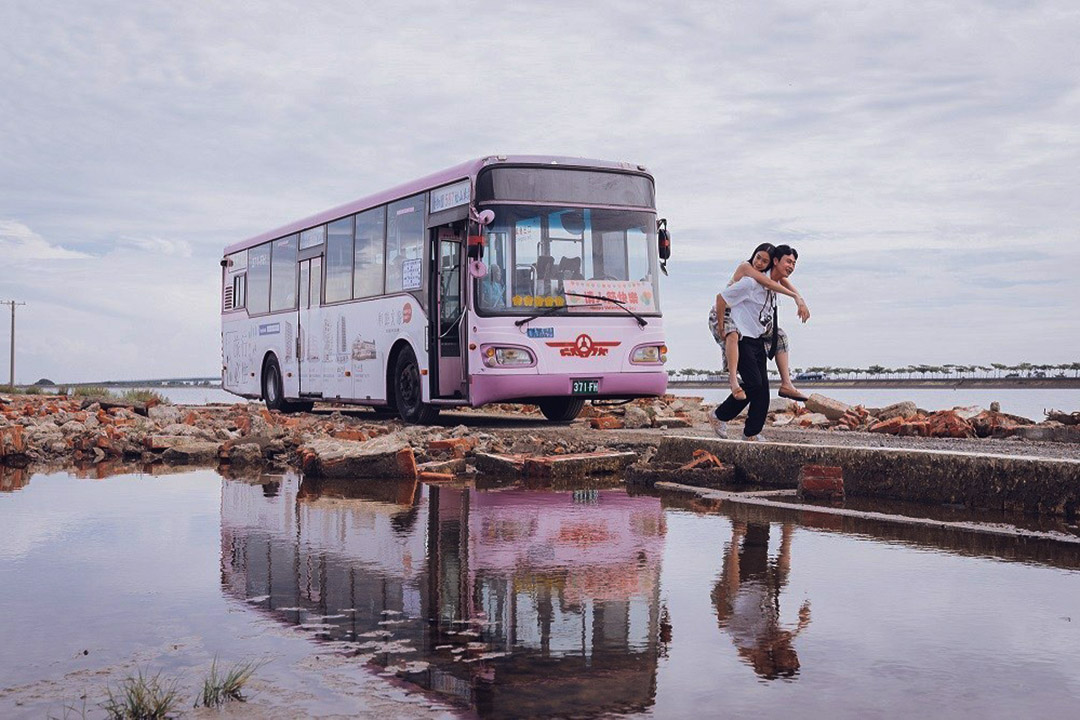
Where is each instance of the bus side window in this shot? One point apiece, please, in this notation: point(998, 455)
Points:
point(259, 279)
point(404, 242)
point(339, 260)
point(370, 253)
point(283, 274)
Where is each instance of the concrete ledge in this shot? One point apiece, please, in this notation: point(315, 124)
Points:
point(1000, 482)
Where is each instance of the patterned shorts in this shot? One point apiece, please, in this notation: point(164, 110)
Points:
point(729, 327)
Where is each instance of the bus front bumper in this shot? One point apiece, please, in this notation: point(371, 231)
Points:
point(508, 387)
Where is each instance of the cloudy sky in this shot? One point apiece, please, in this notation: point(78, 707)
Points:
point(923, 157)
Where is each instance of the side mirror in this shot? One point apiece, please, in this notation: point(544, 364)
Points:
point(663, 239)
point(476, 242)
point(477, 269)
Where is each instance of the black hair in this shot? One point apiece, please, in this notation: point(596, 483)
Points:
point(767, 247)
point(782, 250)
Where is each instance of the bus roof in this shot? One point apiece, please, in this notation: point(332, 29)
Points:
point(443, 177)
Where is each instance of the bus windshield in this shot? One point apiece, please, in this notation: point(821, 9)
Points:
point(559, 257)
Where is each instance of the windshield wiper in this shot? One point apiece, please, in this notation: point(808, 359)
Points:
point(550, 311)
point(642, 322)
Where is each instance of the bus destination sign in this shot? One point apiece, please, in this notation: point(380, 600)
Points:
point(451, 196)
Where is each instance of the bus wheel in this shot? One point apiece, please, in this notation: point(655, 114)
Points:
point(408, 391)
point(561, 409)
point(272, 390)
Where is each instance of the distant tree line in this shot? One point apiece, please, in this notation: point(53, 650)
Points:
point(911, 372)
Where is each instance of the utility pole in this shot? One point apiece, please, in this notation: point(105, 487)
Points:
point(12, 303)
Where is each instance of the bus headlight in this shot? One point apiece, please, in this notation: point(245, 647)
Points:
point(496, 356)
point(649, 354)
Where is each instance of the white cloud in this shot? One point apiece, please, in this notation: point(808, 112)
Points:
point(900, 147)
point(158, 245)
point(19, 244)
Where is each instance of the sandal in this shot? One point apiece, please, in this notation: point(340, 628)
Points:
point(738, 394)
point(792, 395)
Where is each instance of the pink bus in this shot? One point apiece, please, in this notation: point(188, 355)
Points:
point(526, 279)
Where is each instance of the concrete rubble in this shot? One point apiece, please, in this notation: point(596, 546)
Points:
point(44, 429)
point(905, 419)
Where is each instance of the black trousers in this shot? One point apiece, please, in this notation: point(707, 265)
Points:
point(755, 383)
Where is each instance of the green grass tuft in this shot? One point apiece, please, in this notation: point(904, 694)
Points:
point(84, 391)
point(143, 396)
point(219, 689)
point(142, 698)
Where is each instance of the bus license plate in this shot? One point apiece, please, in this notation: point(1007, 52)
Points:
point(585, 387)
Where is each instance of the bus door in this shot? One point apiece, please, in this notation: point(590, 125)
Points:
point(309, 338)
point(447, 304)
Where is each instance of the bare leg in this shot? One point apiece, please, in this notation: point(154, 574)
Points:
point(785, 375)
point(731, 352)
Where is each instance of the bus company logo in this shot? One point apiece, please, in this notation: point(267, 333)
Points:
point(406, 313)
point(584, 346)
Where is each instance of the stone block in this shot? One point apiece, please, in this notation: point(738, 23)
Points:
point(705, 475)
point(636, 417)
point(1049, 433)
point(497, 464)
point(993, 424)
point(606, 422)
point(905, 409)
point(782, 405)
point(832, 409)
point(12, 441)
point(915, 428)
point(670, 421)
point(191, 452)
point(245, 454)
point(890, 427)
point(580, 465)
point(388, 456)
point(824, 482)
point(458, 447)
point(947, 423)
point(455, 466)
point(435, 477)
point(968, 413)
point(813, 419)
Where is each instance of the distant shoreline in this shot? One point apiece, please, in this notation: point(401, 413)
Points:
point(936, 384)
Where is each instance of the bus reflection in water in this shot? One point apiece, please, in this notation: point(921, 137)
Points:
point(557, 592)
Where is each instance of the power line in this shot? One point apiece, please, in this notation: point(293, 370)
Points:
point(12, 303)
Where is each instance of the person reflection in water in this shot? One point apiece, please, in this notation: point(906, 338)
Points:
point(747, 600)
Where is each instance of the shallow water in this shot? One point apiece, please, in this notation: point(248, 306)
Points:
point(516, 602)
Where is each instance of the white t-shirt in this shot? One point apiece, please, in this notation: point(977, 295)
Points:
point(751, 306)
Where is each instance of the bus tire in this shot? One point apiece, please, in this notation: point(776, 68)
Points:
point(561, 409)
point(273, 391)
point(408, 391)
